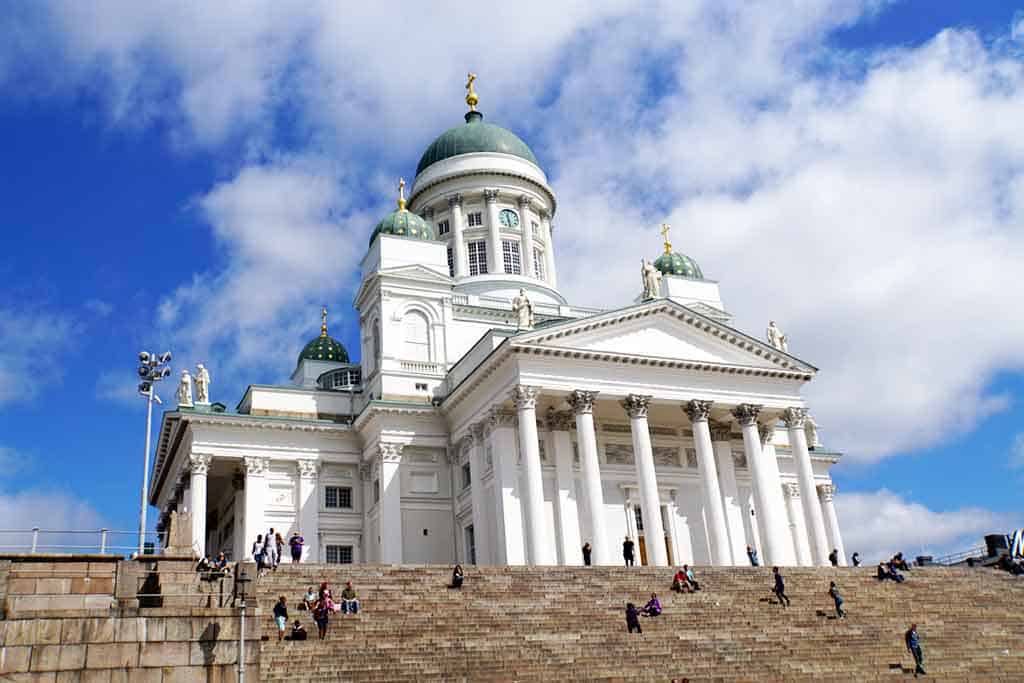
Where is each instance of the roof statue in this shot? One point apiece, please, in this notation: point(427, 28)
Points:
point(811, 432)
point(184, 393)
point(202, 384)
point(523, 308)
point(471, 99)
point(651, 277)
point(776, 338)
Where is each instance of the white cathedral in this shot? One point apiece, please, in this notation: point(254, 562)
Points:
point(490, 421)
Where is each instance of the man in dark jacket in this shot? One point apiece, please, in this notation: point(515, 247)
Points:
point(780, 588)
point(632, 618)
point(913, 642)
point(627, 551)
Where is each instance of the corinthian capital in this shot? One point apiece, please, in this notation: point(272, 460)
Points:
point(746, 413)
point(391, 452)
point(582, 402)
point(491, 196)
point(525, 201)
point(199, 463)
point(308, 469)
point(826, 491)
point(524, 396)
point(794, 417)
point(791, 490)
point(636, 405)
point(697, 411)
point(455, 200)
point(254, 465)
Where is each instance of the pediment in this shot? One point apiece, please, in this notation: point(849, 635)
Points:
point(663, 330)
point(416, 272)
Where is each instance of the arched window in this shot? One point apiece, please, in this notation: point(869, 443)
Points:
point(376, 343)
point(417, 338)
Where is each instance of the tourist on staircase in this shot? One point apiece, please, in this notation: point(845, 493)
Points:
point(281, 616)
point(833, 591)
point(278, 550)
point(833, 557)
point(349, 602)
point(457, 577)
point(679, 583)
point(780, 587)
point(259, 555)
point(888, 572)
point(270, 550)
point(653, 607)
point(308, 600)
point(627, 551)
point(898, 562)
point(298, 632)
point(296, 542)
point(752, 556)
point(632, 618)
point(220, 565)
point(913, 641)
point(322, 611)
point(586, 554)
point(855, 558)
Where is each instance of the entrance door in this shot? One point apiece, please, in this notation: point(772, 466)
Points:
point(470, 545)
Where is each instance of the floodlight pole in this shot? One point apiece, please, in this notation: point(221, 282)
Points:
point(145, 470)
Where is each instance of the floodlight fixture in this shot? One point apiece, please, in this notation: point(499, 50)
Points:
point(165, 357)
point(143, 356)
point(153, 369)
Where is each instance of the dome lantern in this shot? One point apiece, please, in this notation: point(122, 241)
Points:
point(324, 347)
point(402, 222)
point(674, 263)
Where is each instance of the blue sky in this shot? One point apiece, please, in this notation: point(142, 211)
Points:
point(200, 179)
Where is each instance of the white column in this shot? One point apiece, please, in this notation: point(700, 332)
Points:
point(497, 262)
point(526, 225)
point(458, 243)
point(721, 553)
point(794, 419)
point(549, 251)
point(309, 508)
point(601, 544)
point(481, 535)
point(769, 520)
point(255, 500)
point(199, 466)
point(773, 494)
point(390, 503)
point(684, 543)
point(238, 488)
point(509, 544)
point(537, 543)
point(721, 443)
point(566, 511)
point(797, 525)
point(654, 531)
point(826, 492)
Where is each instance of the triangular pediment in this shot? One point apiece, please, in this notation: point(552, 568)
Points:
point(416, 272)
point(663, 330)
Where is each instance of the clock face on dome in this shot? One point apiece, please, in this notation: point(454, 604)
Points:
point(508, 218)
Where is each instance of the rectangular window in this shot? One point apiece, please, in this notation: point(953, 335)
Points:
point(538, 264)
point(475, 219)
point(478, 257)
point(443, 227)
point(421, 386)
point(510, 254)
point(467, 476)
point(376, 490)
point(339, 554)
point(338, 497)
point(536, 228)
point(451, 262)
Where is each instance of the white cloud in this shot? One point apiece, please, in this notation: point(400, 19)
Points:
point(99, 307)
point(872, 203)
point(1017, 451)
point(32, 349)
point(880, 524)
point(55, 512)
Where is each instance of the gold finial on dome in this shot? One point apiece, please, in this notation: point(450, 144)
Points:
point(401, 194)
point(323, 321)
point(471, 99)
point(664, 233)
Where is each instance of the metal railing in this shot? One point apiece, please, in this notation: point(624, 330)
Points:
point(38, 541)
point(955, 558)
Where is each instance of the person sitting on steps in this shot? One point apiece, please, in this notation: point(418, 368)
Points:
point(898, 562)
point(888, 571)
point(691, 578)
point(632, 618)
point(457, 577)
point(349, 602)
point(679, 583)
point(298, 632)
point(309, 599)
point(653, 607)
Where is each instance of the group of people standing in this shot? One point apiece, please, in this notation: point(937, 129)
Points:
point(268, 550)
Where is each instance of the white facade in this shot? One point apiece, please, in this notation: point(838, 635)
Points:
point(472, 440)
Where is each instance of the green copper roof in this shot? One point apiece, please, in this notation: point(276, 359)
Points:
point(678, 264)
point(324, 348)
point(475, 136)
point(404, 223)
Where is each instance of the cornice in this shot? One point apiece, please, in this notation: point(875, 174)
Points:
point(485, 172)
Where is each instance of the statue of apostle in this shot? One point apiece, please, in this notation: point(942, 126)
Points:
point(651, 277)
point(202, 384)
point(523, 308)
point(811, 432)
point(776, 338)
point(184, 393)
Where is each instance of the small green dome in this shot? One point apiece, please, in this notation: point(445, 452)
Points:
point(475, 136)
point(404, 223)
point(674, 263)
point(324, 348)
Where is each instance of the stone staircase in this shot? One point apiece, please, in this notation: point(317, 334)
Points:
point(567, 623)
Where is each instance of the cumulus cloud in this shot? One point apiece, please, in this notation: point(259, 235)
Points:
point(882, 523)
point(31, 345)
point(871, 202)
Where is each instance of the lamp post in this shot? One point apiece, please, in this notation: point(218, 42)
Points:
point(241, 580)
point(152, 369)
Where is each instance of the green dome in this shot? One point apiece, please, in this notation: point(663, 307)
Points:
point(475, 136)
point(674, 263)
point(324, 348)
point(405, 223)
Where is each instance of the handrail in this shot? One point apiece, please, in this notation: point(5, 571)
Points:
point(28, 541)
point(954, 558)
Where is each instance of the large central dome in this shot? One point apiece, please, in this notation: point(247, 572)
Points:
point(475, 136)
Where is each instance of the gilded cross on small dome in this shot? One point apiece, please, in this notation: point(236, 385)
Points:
point(471, 99)
point(401, 194)
point(323, 321)
point(665, 227)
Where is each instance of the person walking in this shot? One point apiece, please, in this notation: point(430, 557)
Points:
point(632, 618)
point(780, 587)
point(833, 557)
point(833, 591)
point(913, 641)
point(296, 542)
point(752, 556)
point(586, 554)
point(281, 616)
point(278, 550)
point(322, 611)
point(258, 555)
point(269, 551)
point(627, 551)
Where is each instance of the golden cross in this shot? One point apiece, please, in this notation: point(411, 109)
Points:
point(664, 233)
point(471, 99)
point(323, 323)
point(401, 188)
